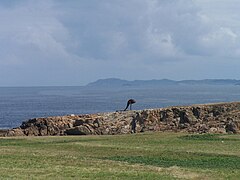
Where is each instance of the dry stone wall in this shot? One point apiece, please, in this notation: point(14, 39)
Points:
point(209, 118)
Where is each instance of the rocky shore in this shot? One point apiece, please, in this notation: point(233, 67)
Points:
point(207, 118)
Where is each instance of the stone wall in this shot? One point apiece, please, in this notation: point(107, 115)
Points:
point(209, 118)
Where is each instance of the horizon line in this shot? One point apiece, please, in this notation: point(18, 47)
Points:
point(35, 86)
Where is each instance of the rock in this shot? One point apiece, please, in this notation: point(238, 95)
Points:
point(78, 122)
point(213, 130)
point(203, 128)
point(183, 117)
point(196, 112)
point(31, 131)
point(3, 132)
point(231, 127)
point(14, 132)
point(96, 123)
point(221, 130)
point(43, 130)
point(79, 130)
point(125, 129)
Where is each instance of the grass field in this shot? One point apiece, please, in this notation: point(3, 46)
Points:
point(134, 156)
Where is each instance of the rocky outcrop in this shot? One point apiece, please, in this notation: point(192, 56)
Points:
point(3, 132)
point(209, 118)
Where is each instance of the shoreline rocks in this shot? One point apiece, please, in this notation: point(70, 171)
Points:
point(206, 118)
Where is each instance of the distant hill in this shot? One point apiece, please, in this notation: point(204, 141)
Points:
point(109, 82)
point(211, 82)
point(114, 82)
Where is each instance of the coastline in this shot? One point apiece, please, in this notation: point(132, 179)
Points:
point(197, 118)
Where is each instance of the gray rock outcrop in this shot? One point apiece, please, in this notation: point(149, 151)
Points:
point(208, 118)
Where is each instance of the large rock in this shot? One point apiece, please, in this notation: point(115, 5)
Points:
point(79, 130)
point(15, 132)
point(232, 127)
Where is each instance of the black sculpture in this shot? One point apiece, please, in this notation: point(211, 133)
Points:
point(129, 103)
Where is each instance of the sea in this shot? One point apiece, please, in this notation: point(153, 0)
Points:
point(18, 104)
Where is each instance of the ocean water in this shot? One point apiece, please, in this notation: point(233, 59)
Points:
point(18, 104)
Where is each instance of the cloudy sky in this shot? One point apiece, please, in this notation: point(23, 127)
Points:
point(58, 42)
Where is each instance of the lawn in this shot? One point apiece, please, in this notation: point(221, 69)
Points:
point(133, 156)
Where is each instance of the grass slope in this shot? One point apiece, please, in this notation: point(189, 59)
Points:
point(135, 156)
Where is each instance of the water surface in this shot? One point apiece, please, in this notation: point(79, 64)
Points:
point(21, 103)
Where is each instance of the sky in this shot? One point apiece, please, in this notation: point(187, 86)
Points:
point(58, 42)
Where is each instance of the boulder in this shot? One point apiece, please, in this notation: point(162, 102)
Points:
point(213, 130)
point(15, 132)
point(78, 130)
point(231, 127)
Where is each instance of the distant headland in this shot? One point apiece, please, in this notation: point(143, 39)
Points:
point(115, 82)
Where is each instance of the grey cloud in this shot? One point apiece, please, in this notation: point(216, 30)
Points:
point(85, 40)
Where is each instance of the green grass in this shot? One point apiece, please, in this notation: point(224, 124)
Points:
point(134, 156)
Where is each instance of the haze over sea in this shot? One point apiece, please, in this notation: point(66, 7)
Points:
point(18, 104)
